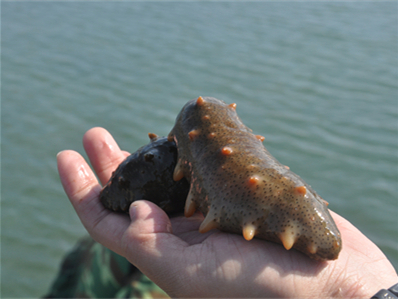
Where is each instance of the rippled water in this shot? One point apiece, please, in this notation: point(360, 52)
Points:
point(318, 80)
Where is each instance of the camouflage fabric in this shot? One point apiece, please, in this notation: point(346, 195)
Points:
point(91, 270)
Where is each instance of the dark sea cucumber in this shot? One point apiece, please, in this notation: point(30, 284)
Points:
point(147, 174)
point(241, 188)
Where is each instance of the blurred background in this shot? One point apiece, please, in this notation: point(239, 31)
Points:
point(318, 80)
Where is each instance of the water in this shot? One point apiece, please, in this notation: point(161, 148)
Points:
point(318, 80)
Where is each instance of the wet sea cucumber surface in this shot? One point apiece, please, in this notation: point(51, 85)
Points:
point(241, 188)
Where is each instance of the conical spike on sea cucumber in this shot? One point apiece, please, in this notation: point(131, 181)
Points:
point(178, 171)
point(226, 150)
point(233, 106)
point(193, 134)
point(200, 101)
point(190, 206)
point(170, 138)
point(301, 190)
point(288, 238)
point(253, 180)
point(208, 223)
point(312, 248)
point(211, 135)
point(259, 137)
point(249, 230)
point(152, 136)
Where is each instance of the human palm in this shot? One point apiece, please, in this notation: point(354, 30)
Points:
point(186, 263)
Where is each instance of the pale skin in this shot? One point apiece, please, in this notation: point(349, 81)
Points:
point(186, 263)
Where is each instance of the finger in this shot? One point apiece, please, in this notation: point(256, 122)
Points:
point(82, 188)
point(103, 152)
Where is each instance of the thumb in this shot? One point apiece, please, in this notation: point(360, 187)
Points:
point(148, 242)
point(148, 219)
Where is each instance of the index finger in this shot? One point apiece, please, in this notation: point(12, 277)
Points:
point(82, 188)
point(103, 152)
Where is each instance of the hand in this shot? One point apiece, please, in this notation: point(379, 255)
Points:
point(185, 263)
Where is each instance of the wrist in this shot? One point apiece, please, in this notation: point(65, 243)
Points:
point(364, 283)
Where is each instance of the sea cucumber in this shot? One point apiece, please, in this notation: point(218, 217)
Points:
point(147, 174)
point(241, 188)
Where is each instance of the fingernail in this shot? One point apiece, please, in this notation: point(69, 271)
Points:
point(59, 153)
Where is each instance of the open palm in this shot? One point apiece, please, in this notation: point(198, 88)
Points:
point(186, 263)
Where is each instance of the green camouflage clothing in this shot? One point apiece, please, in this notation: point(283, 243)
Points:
point(91, 270)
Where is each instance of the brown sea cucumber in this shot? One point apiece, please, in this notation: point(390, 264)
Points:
point(241, 188)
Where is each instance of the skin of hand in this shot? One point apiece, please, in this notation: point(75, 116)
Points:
point(186, 263)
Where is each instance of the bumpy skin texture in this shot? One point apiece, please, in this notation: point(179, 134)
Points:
point(240, 187)
point(147, 174)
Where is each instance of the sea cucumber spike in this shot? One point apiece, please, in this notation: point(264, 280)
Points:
point(336, 244)
point(192, 134)
point(325, 202)
point(312, 248)
point(121, 179)
point(148, 157)
point(206, 117)
point(208, 223)
point(252, 167)
point(249, 230)
point(288, 238)
point(170, 137)
point(287, 167)
point(226, 151)
point(212, 135)
point(233, 106)
point(190, 206)
point(178, 171)
point(301, 190)
point(261, 138)
point(253, 180)
point(200, 101)
point(152, 136)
